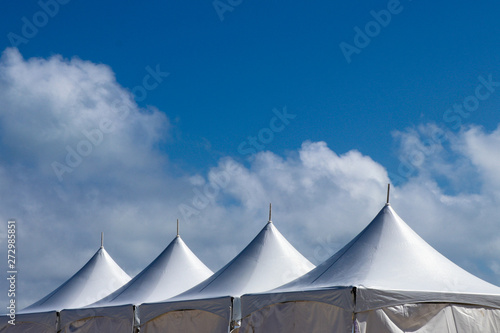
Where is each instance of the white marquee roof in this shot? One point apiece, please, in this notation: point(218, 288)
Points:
point(175, 270)
point(100, 276)
point(266, 263)
point(388, 264)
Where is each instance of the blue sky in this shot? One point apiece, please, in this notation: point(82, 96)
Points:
point(226, 76)
point(217, 79)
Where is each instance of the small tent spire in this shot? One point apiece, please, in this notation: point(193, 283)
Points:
point(388, 192)
point(102, 240)
point(270, 209)
point(177, 227)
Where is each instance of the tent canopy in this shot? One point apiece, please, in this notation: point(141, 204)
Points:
point(266, 263)
point(100, 276)
point(175, 270)
point(387, 264)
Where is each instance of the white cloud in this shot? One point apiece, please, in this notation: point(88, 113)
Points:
point(124, 186)
point(483, 150)
point(452, 197)
point(113, 179)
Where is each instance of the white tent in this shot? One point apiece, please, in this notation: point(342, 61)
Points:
point(387, 279)
point(100, 276)
point(42, 322)
point(266, 263)
point(175, 270)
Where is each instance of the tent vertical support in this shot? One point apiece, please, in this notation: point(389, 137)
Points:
point(231, 321)
point(355, 328)
point(135, 322)
point(58, 321)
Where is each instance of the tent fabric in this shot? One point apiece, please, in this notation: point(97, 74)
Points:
point(218, 306)
point(338, 297)
point(117, 319)
point(212, 314)
point(196, 315)
point(267, 262)
point(386, 265)
point(293, 317)
point(388, 255)
point(44, 322)
point(175, 270)
point(328, 310)
point(99, 277)
point(430, 318)
point(186, 321)
point(368, 299)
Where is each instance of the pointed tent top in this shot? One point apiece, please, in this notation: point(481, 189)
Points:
point(388, 192)
point(267, 262)
point(102, 240)
point(175, 270)
point(390, 256)
point(177, 227)
point(85, 286)
point(270, 211)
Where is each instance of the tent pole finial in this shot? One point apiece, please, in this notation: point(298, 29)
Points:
point(388, 192)
point(270, 209)
point(177, 227)
point(102, 240)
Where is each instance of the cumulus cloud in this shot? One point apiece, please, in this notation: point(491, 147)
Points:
point(79, 156)
point(55, 107)
point(482, 149)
